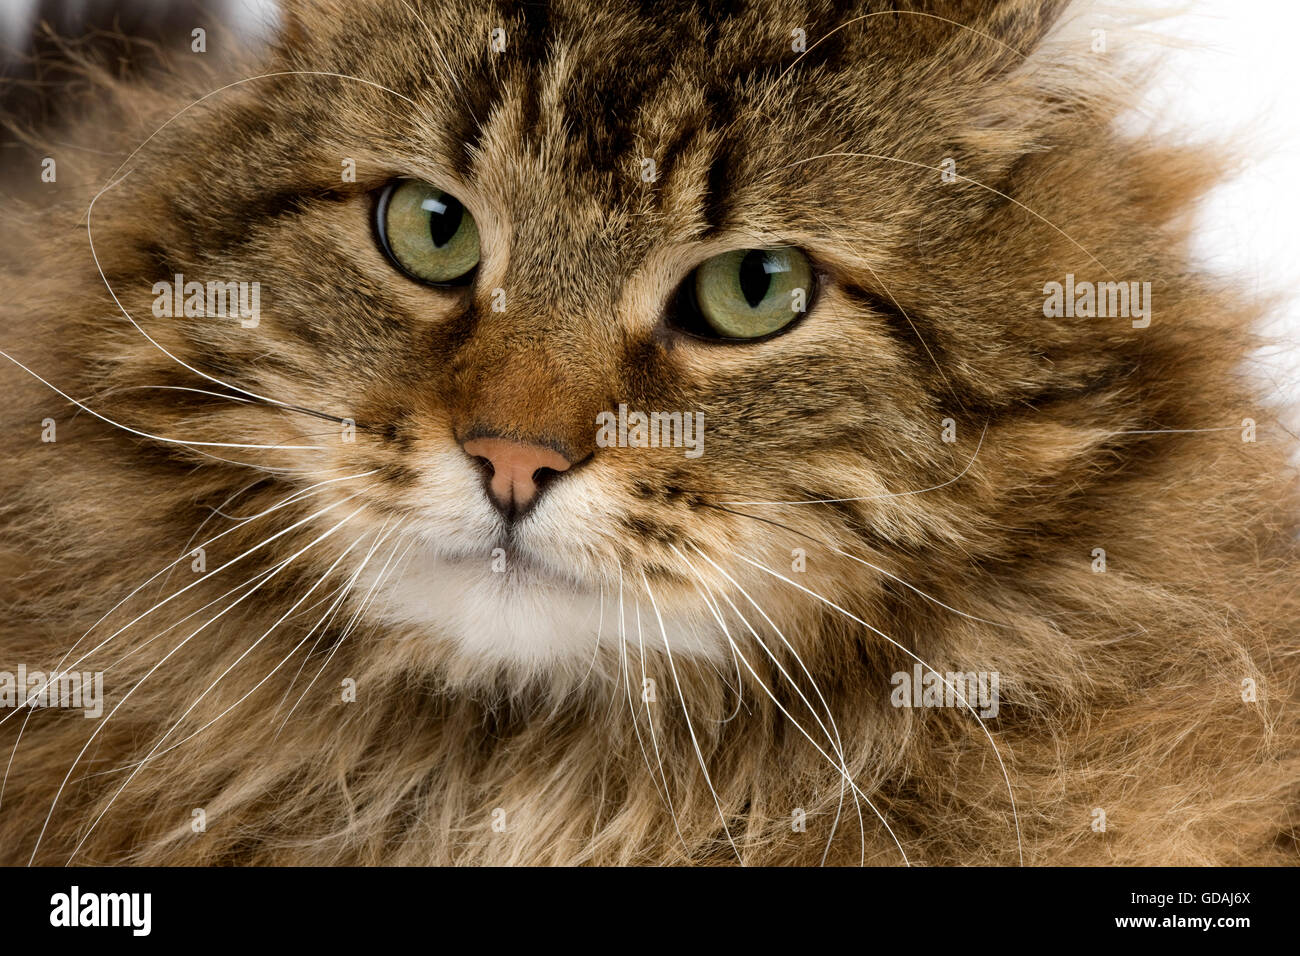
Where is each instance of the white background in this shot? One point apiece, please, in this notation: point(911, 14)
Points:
point(1237, 77)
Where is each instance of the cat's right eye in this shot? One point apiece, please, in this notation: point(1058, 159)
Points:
point(427, 233)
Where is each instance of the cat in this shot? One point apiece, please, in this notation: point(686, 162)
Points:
point(388, 570)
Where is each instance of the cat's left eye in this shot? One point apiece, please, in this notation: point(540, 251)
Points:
point(427, 233)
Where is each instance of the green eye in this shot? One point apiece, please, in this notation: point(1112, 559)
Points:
point(750, 293)
point(427, 233)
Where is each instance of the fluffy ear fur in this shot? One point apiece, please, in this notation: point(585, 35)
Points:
point(298, 19)
point(1020, 24)
point(992, 39)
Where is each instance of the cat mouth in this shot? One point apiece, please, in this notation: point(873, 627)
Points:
point(517, 566)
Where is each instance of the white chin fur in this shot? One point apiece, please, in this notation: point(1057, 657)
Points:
point(525, 619)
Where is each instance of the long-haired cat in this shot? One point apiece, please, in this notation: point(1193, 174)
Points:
point(590, 432)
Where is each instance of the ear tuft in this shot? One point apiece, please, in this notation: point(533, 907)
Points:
point(293, 33)
point(1023, 24)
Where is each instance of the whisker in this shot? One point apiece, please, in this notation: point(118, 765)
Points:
point(196, 583)
point(351, 625)
point(627, 684)
point(912, 325)
point(58, 672)
point(187, 550)
point(832, 737)
point(699, 754)
point(125, 697)
point(326, 620)
point(833, 734)
point(295, 496)
point(451, 74)
point(257, 579)
point(600, 626)
point(333, 594)
point(137, 432)
point(154, 752)
point(654, 740)
point(883, 13)
point(337, 597)
point(836, 746)
point(840, 768)
point(115, 179)
point(948, 684)
point(862, 561)
point(740, 694)
point(935, 169)
point(118, 389)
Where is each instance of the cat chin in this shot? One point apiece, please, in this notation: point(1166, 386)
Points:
point(526, 618)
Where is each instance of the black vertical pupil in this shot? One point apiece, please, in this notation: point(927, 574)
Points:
point(754, 279)
point(443, 225)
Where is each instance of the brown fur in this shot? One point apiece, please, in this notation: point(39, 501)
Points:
point(1120, 690)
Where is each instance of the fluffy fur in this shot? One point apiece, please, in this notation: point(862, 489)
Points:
point(499, 718)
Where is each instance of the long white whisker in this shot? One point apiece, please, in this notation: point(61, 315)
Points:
point(956, 691)
point(865, 563)
point(841, 767)
point(936, 169)
point(833, 734)
point(232, 561)
point(837, 745)
point(331, 595)
point(58, 671)
point(882, 13)
point(257, 580)
point(902, 311)
point(351, 625)
point(137, 432)
point(654, 740)
point(188, 550)
point(327, 619)
point(740, 693)
point(699, 754)
point(115, 179)
point(125, 697)
point(600, 626)
point(117, 390)
point(154, 752)
point(627, 684)
point(309, 491)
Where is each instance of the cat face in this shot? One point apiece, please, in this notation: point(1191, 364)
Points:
point(487, 241)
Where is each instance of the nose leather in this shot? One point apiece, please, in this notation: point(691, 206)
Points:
point(515, 482)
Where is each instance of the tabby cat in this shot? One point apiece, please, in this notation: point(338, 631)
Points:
point(773, 432)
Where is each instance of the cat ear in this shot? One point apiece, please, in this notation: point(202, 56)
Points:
point(304, 24)
point(302, 20)
point(293, 32)
point(1023, 64)
point(1007, 34)
point(1024, 23)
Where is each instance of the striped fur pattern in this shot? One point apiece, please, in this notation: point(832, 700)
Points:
point(685, 660)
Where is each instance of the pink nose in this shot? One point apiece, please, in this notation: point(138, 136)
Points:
point(519, 470)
